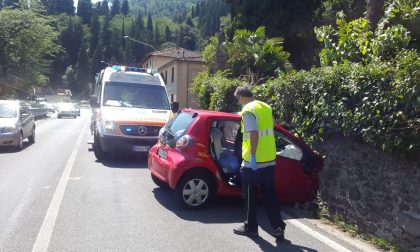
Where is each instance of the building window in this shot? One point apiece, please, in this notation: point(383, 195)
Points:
point(173, 73)
point(172, 97)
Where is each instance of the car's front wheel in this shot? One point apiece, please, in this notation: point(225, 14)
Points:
point(31, 138)
point(97, 149)
point(195, 190)
point(159, 182)
point(19, 145)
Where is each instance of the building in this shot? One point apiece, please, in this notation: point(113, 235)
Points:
point(178, 67)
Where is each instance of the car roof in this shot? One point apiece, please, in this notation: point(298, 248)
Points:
point(10, 102)
point(211, 114)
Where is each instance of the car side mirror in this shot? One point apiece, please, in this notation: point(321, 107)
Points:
point(175, 107)
point(94, 101)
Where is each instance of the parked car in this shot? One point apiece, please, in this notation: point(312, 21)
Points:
point(66, 109)
point(16, 124)
point(199, 153)
point(77, 107)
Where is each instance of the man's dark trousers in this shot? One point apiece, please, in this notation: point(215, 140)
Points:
point(265, 178)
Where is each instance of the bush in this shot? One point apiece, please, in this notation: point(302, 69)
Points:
point(379, 103)
point(215, 92)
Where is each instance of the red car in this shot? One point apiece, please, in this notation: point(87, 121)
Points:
point(198, 156)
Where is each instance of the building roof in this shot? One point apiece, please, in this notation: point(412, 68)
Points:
point(176, 53)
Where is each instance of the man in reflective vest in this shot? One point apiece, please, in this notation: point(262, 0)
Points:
point(259, 160)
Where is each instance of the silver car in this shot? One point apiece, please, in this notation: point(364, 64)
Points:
point(16, 124)
point(66, 109)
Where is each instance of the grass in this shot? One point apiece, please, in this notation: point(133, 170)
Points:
point(338, 221)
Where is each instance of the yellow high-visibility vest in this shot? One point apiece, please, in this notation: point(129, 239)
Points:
point(266, 148)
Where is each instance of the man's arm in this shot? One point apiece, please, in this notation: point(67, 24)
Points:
point(254, 141)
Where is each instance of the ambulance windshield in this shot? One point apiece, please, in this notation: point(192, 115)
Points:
point(133, 95)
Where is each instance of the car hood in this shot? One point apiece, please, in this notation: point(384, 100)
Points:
point(7, 122)
point(136, 115)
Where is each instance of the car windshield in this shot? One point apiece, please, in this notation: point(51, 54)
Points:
point(65, 106)
point(179, 125)
point(121, 94)
point(8, 111)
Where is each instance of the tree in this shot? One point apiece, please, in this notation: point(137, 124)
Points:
point(168, 34)
point(125, 8)
point(374, 12)
point(82, 72)
point(115, 8)
point(95, 30)
point(30, 55)
point(64, 6)
point(149, 27)
point(84, 10)
point(104, 8)
point(292, 20)
point(253, 55)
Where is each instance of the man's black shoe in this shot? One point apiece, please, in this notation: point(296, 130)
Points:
point(279, 233)
point(243, 230)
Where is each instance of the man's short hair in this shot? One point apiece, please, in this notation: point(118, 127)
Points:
point(243, 91)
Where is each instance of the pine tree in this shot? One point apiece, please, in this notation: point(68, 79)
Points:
point(125, 8)
point(82, 72)
point(168, 34)
point(149, 26)
point(115, 8)
point(64, 6)
point(106, 39)
point(157, 35)
point(84, 10)
point(104, 8)
point(95, 30)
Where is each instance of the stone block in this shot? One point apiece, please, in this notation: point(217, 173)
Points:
point(354, 193)
point(409, 223)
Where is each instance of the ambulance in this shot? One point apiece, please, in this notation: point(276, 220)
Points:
point(129, 107)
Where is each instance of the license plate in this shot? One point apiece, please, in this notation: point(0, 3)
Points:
point(140, 148)
point(162, 153)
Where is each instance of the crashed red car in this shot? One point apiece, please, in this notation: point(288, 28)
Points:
point(198, 156)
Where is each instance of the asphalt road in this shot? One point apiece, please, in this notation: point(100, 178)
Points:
point(55, 196)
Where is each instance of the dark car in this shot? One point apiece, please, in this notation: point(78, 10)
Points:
point(199, 153)
point(16, 124)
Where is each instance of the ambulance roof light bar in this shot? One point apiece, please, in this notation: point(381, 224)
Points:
point(134, 69)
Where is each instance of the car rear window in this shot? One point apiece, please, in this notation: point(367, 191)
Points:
point(180, 124)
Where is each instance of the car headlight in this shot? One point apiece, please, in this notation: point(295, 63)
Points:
point(109, 127)
point(10, 129)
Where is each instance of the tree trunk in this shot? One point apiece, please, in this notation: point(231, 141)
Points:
point(374, 12)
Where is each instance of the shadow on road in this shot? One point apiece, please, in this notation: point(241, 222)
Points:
point(8, 150)
point(125, 162)
point(225, 210)
point(284, 245)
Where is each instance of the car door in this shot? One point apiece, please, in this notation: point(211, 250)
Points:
point(292, 183)
point(25, 120)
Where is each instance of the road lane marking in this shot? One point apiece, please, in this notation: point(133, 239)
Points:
point(320, 237)
point(43, 240)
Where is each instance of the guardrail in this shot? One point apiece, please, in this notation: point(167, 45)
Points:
point(39, 112)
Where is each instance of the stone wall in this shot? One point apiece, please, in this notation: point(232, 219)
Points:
point(376, 191)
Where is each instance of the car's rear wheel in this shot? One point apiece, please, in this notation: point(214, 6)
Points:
point(195, 190)
point(159, 182)
point(31, 138)
point(97, 149)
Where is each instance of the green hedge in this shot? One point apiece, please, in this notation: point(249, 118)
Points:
point(378, 102)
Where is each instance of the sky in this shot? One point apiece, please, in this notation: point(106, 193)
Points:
point(93, 2)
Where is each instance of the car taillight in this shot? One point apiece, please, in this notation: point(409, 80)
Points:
point(184, 142)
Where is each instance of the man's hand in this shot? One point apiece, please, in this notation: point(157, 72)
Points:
point(253, 163)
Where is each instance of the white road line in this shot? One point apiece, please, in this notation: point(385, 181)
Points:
point(43, 240)
point(327, 241)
